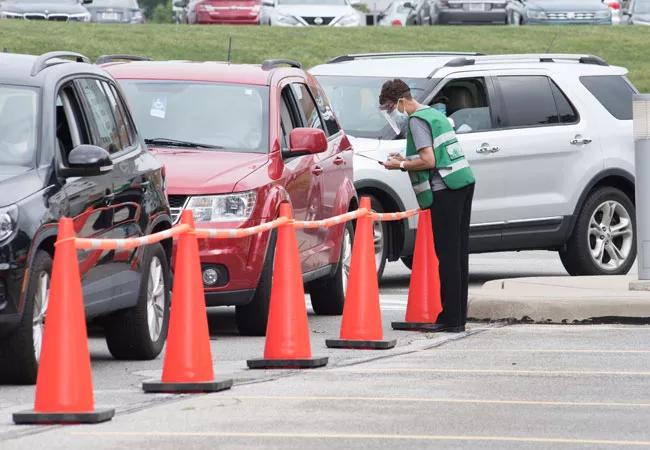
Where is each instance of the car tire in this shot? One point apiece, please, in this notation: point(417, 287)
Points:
point(328, 294)
point(408, 261)
point(253, 317)
point(590, 248)
point(382, 239)
point(18, 351)
point(139, 333)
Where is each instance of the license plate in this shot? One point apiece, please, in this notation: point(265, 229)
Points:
point(110, 16)
point(477, 7)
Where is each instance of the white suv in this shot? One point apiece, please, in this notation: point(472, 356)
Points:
point(549, 138)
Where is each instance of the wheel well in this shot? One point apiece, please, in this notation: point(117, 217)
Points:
point(48, 245)
point(395, 229)
point(167, 243)
point(618, 182)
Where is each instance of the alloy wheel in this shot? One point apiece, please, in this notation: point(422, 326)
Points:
point(41, 298)
point(346, 257)
point(155, 299)
point(610, 235)
point(378, 239)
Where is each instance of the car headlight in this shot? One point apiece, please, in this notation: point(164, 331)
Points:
point(606, 14)
point(222, 208)
point(536, 14)
point(10, 15)
point(81, 17)
point(8, 220)
point(349, 20)
point(286, 19)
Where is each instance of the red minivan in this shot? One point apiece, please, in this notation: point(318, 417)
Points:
point(236, 141)
point(230, 12)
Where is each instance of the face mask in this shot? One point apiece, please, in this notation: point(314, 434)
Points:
point(440, 107)
point(396, 119)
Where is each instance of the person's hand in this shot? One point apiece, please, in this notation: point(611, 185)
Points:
point(392, 164)
point(397, 156)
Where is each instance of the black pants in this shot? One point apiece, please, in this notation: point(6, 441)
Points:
point(450, 215)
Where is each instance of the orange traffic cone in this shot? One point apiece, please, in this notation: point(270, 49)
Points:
point(287, 332)
point(188, 360)
point(424, 304)
point(64, 386)
point(361, 325)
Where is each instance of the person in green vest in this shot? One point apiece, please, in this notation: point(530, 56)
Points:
point(443, 182)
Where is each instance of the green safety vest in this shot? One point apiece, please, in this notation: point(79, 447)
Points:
point(450, 160)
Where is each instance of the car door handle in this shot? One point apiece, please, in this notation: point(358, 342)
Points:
point(109, 196)
point(485, 148)
point(338, 160)
point(317, 170)
point(579, 140)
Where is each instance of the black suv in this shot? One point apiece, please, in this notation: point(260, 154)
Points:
point(68, 147)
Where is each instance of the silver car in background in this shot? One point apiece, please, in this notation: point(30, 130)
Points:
point(115, 11)
point(469, 12)
point(637, 12)
point(307, 13)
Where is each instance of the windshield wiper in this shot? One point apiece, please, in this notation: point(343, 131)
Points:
point(178, 143)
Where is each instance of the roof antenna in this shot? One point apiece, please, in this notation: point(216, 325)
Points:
point(229, 49)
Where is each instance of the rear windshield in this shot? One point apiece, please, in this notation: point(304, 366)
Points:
point(232, 117)
point(355, 101)
point(613, 92)
point(18, 125)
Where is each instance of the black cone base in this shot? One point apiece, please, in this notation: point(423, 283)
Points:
point(179, 388)
point(367, 345)
point(40, 418)
point(308, 363)
point(412, 326)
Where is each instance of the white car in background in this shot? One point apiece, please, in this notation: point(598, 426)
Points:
point(308, 13)
point(549, 138)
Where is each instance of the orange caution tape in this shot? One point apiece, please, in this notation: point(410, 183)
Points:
point(129, 243)
point(239, 232)
point(387, 217)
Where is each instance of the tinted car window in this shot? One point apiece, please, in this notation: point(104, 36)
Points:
point(613, 92)
point(528, 101)
point(326, 112)
point(105, 131)
point(565, 109)
point(307, 106)
point(124, 132)
point(18, 125)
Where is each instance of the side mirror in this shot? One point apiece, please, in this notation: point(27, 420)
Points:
point(307, 141)
point(268, 3)
point(87, 161)
point(181, 3)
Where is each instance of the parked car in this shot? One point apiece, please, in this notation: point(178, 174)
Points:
point(115, 11)
point(68, 147)
point(233, 12)
point(401, 13)
point(548, 137)
point(558, 12)
point(237, 140)
point(60, 11)
point(306, 13)
point(469, 12)
point(637, 13)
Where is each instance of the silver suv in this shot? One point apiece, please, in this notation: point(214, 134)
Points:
point(548, 136)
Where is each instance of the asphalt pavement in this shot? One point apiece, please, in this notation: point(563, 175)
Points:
point(496, 386)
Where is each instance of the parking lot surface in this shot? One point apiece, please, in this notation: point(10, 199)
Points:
point(519, 386)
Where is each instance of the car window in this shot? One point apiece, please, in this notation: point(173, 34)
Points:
point(528, 101)
point(310, 116)
point(326, 111)
point(613, 92)
point(19, 113)
point(565, 109)
point(70, 125)
point(105, 132)
point(288, 117)
point(124, 132)
point(467, 104)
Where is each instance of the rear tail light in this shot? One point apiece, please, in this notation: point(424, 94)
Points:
point(615, 6)
point(396, 23)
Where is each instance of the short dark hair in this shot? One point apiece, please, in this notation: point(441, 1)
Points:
point(393, 90)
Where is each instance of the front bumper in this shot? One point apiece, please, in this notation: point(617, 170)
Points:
point(568, 22)
point(462, 16)
point(216, 18)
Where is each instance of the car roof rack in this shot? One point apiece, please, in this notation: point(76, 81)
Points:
point(542, 58)
point(273, 63)
point(51, 58)
point(355, 56)
point(104, 59)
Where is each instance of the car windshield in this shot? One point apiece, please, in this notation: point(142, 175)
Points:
point(313, 2)
point(18, 125)
point(233, 117)
point(642, 7)
point(355, 101)
point(131, 4)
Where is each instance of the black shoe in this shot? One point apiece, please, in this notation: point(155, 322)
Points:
point(454, 329)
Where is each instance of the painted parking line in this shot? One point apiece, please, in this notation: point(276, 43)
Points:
point(486, 371)
point(326, 398)
point(359, 436)
point(539, 350)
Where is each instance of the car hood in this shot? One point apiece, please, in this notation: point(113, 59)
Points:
point(315, 10)
point(17, 182)
point(554, 5)
point(50, 7)
point(206, 172)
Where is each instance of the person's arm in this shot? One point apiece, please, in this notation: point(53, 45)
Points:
point(422, 137)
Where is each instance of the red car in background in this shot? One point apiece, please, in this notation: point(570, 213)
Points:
point(237, 140)
point(229, 12)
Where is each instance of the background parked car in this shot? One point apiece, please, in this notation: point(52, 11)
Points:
point(558, 12)
point(115, 11)
point(469, 12)
point(637, 13)
point(306, 13)
point(233, 12)
point(403, 12)
point(68, 147)
point(57, 10)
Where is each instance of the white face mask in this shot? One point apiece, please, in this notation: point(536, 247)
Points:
point(396, 119)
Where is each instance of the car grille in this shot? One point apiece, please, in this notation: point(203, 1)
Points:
point(54, 17)
point(176, 205)
point(312, 20)
point(570, 15)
